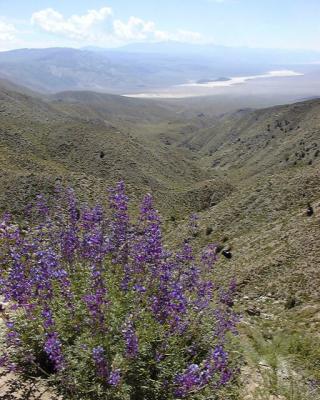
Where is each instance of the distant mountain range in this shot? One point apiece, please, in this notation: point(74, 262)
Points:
point(138, 67)
point(246, 55)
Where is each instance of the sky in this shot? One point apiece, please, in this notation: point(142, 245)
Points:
point(291, 24)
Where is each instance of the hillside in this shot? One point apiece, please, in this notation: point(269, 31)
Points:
point(44, 141)
point(263, 140)
point(248, 174)
point(271, 157)
point(275, 250)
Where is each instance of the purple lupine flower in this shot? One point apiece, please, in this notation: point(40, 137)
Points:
point(17, 286)
point(131, 340)
point(215, 370)
point(92, 216)
point(92, 245)
point(73, 209)
point(124, 284)
point(53, 348)
point(69, 243)
point(94, 303)
point(13, 337)
point(145, 250)
point(96, 299)
point(220, 357)
point(47, 261)
point(185, 255)
point(150, 247)
point(215, 363)
point(12, 367)
point(115, 377)
point(187, 381)
point(139, 288)
point(47, 317)
point(118, 201)
point(226, 319)
point(216, 367)
point(3, 360)
point(205, 290)
point(99, 358)
point(41, 206)
point(42, 265)
point(159, 356)
point(226, 296)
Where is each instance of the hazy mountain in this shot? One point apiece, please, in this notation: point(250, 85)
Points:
point(56, 69)
point(245, 55)
point(137, 68)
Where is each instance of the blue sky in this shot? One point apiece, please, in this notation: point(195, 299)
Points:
point(112, 23)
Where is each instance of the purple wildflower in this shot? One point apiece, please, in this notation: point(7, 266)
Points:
point(53, 348)
point(3, 360)
point(188, 380)
point(47, 317)
point(12, 335)
point(98, 356)
point(41, 206)
point(100, 269)
point(115, 377)
point(131, 340)
point(119, 226)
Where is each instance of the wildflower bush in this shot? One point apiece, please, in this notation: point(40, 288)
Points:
point(99, 305)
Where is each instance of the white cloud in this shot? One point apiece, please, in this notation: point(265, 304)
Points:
point(75, 27)
point(98, 27)
point(137, 29)
point(7, 31)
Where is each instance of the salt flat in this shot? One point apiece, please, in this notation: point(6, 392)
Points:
point(191, 89)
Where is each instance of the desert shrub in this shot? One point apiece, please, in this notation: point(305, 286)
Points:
point(102, 308)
